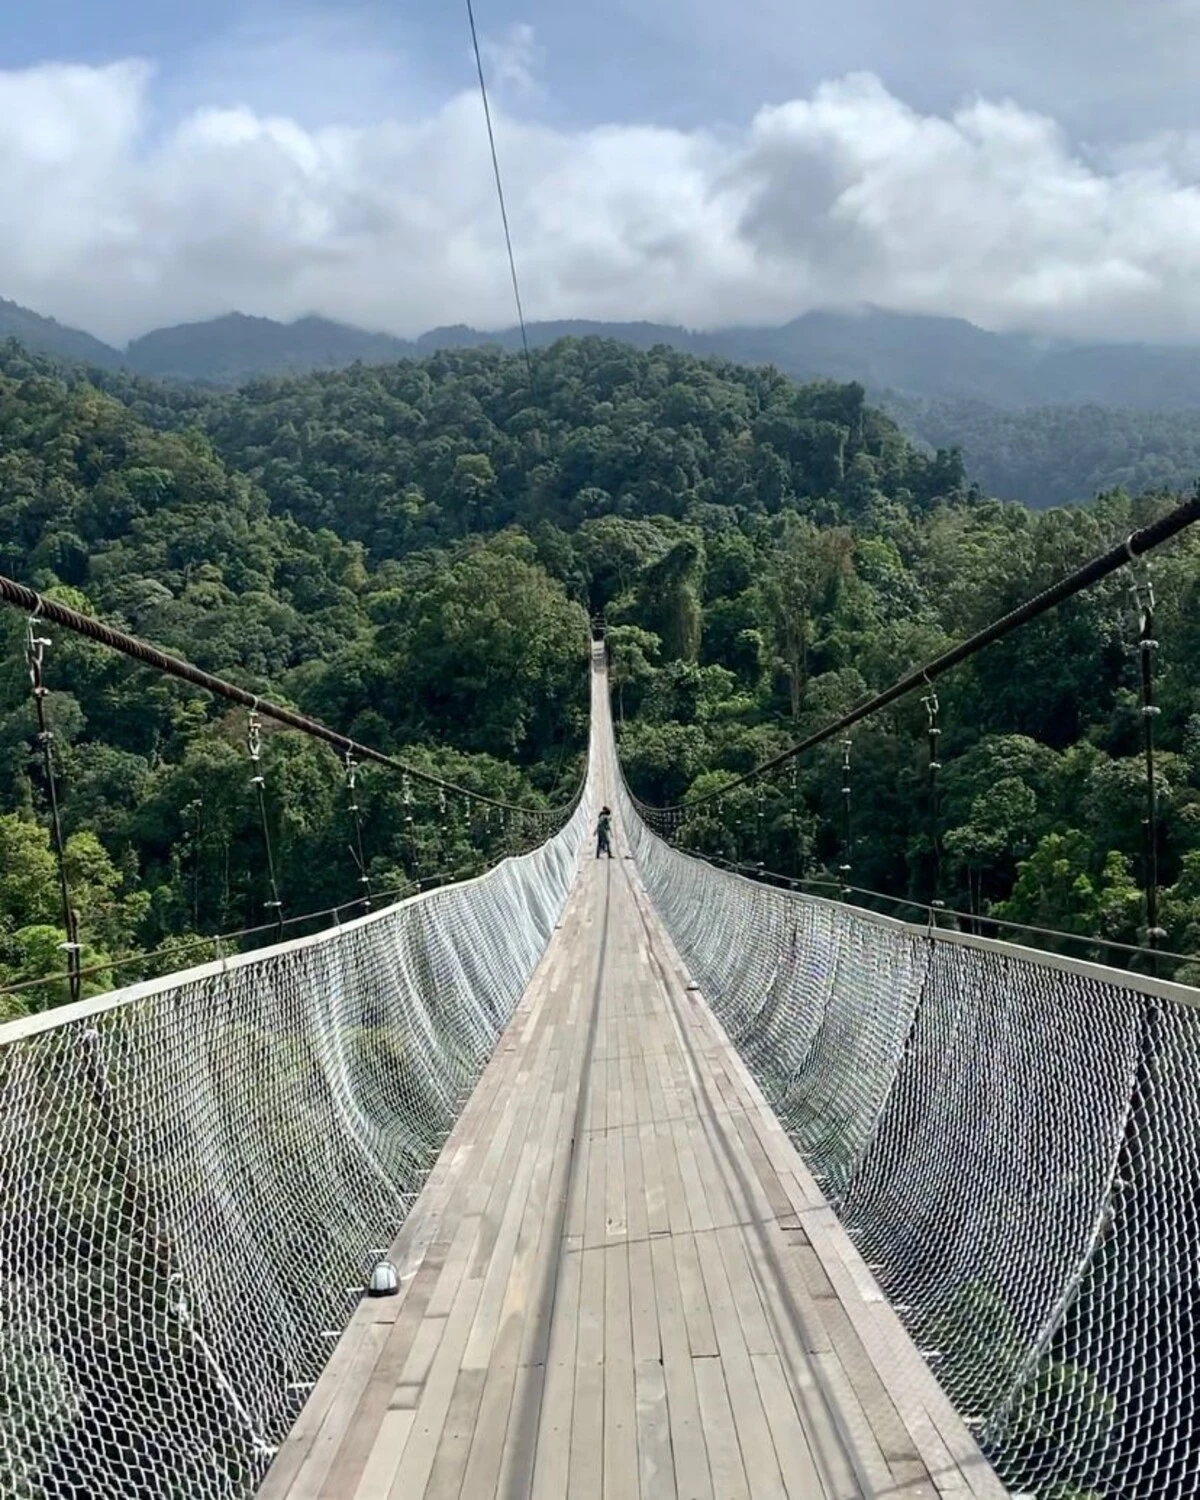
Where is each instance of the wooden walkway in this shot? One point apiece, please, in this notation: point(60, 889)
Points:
point(621, 1281)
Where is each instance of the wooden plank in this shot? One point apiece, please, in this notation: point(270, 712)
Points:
point(637, 1218)
point(643, 1304)
point(788, 1439)
point(454, 1445)
point(744, 1289)
point(656, 1471)
point(637, 1067)
point(587, 1415)
point(616, 1225)
point(620, 1409)
point(547, 1277)
point(728, 1189)
point(697, 1202)
point(496, 1269)
point(693, 1297)
point(552, 1460)
point(376, 1477)
point(482, 1474)
point(720, 1434)
point(753, 1429)
point(678, 1218)
point(415, 1463)
point(351, 1458)
point(341, 1412)
point(520, 1441)
point(577, 1189)
point(450, 1277)
point(283, 1472)
point(491, 1435)
point(595, 1228)
point(692, 1477)
point(658, 1219)
point(586, 1477)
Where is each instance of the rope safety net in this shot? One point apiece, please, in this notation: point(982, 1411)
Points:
point(197, 1175)
point(1013, 1144)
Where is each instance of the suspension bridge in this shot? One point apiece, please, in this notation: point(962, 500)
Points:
point(621, 1279)
point(604, 1177)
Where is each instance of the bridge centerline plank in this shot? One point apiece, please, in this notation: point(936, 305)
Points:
point(620, 1279)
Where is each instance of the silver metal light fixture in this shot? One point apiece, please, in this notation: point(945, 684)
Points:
point(384, 1280)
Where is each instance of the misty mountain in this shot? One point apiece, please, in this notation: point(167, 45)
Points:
point(227, 351)
point(47, 336)
point(923, 358)
point(1057, 455)
point(1040, 422)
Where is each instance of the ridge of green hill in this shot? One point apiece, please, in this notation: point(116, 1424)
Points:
point(1038, 422)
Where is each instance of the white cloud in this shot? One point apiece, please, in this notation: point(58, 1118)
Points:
point(514, 58)
point(846, 196)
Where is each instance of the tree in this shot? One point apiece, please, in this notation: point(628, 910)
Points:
point(633, 654)
point(986, 846)
point(669, 600)
point(803, 569)
point(496, 647)
point(28, 875)
point(1066, 885)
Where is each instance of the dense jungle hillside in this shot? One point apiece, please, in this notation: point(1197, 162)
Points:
point(1042, 422)
point(410, 553)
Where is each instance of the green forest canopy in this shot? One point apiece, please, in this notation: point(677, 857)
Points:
point(409, 552)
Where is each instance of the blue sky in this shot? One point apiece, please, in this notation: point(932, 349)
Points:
point(1104, 67)
point(1029, 165)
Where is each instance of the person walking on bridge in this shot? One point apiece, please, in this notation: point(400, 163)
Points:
point(604, 833)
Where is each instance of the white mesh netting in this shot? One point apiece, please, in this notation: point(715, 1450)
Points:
point(1013, 1142)
point(194, 1175)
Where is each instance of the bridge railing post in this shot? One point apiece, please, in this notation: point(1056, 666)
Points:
point(36, 646)
point(846, 865)
point(1143, 593)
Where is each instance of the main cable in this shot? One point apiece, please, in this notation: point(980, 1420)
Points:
point(512, 260)
point(40, 607)
point(1139, 542)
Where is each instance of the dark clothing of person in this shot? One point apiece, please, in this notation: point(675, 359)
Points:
point(604, 835)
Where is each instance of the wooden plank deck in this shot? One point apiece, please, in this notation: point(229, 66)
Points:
point(621, 1281)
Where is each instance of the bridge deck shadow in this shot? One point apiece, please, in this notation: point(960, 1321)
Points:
point(620, 1279)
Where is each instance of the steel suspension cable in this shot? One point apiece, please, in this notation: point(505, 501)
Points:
point(512, 260)
point(39, 606)
point(35, 649)
point(1135, 545)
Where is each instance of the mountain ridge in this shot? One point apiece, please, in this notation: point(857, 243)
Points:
point(914, 355)
point(1039, 421)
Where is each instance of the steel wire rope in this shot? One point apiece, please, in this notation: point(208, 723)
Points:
point(508, 244)
point(22, 597)
point(935, 910)
point(35, 655)
point(1135, 545)
point(220, 939)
